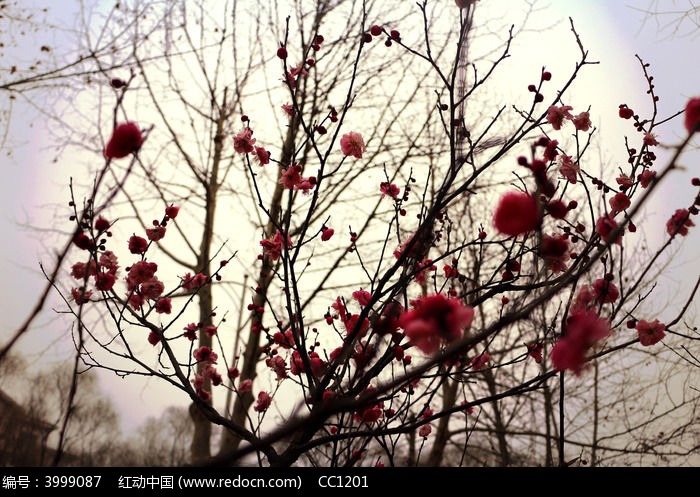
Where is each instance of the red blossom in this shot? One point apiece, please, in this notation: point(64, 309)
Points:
point(554, 250)
point(243, 142)
point(534, 350)
point(102, 224)
point(140, 272)
point(245, 385)
point(435, 319)
point(679, 223)
point(556, 115)
point(327, 233)
point(137, 244)
point(582, 121)
point(80, 295)
point(205, 354)
point(646, 177)
point(104, 281)
point(108, 261)
point(261, 155)
point(363, 297)
point(625, 112)
point(297, 364)
point(152, 288)
point(389, 190)
point(517, 213)
point(171, 211)
point(605, 226)
point(480, 361)
point(263, 403)
point(156, 233)
point(278, 365)
point(605, 291)
point(164, 306)
point(126, 139)
point(584, 329)
point(650, 139)
point(692, 115)
point(619, 202)
point(650, 332)
point(191, 332)
point(82, 241)
point(624, 181)
point(352, 144)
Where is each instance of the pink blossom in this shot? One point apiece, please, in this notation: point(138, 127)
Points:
point(289, 110)
point(243, 142)
point(422, 269)
point(278, 365)
point(164, 306)
point(245, 385)
point(273, 246)
point(210, 330)
point(569, 169)
point(352, 144)
point(263, 403)
point(262, 156)
point(582, 121)
point(650, 332)
point(126, 139)
point(292, 179)
point(584, 329)
point(679, 223)
point(425, 430)
point(650, 139)
point(556, 115)
point(189, 282)
point(435, 319)
point(517, 214)
point(209, 371)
